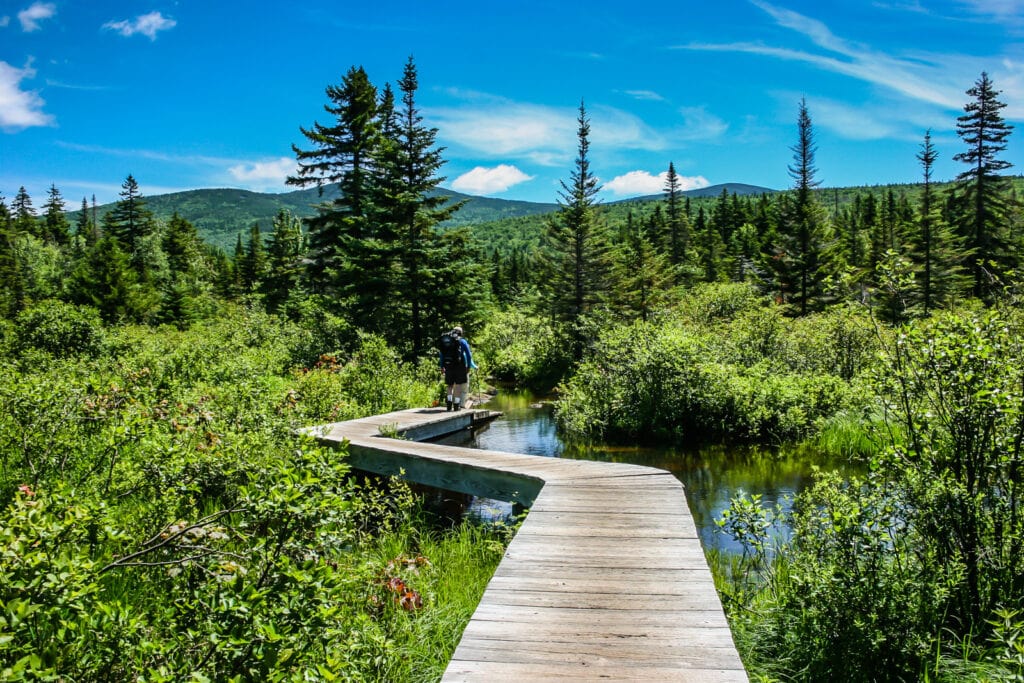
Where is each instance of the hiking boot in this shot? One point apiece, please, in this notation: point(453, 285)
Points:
point(458, 405)
point(448, 405)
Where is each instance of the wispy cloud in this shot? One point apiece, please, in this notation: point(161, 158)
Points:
point(999, 9)
point(20, 109)
point(34, 13)
point(492, 128)
point(494, 180)
point(263, 175)
point(933, 78)
point(645, 95)
point(640, 183)
point(5, 21)
point(146, 24)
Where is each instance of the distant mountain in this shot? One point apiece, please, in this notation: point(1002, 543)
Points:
point(221, 215)
point(740, 189)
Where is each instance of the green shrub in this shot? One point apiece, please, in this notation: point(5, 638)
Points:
point(59, 329)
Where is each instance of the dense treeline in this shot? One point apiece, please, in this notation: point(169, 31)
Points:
point(762, 318)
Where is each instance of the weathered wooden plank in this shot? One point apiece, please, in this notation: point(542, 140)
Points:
point(608, 619)
point(682, 658)
point(460, 671)
point(604, 634)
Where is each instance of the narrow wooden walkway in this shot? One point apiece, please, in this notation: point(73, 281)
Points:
point(605, 579)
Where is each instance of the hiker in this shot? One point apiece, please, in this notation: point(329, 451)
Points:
point(456, 362)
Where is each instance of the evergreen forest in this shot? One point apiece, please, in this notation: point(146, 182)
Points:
point(165, 520)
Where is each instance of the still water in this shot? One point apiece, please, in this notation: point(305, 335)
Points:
point(711, 475)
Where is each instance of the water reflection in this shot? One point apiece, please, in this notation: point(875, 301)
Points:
point(711, 475)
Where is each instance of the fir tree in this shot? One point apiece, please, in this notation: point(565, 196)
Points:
point(86, 233)
point(645, 276)
point(105, 280)
point(983, 223)
point(937, 249)
point(575, 247)
point(254, 261)
point(341, 153)
point(284, 260)
point(416, 212)
point(57, 229)
point(678, 228)
point(797, 255)
point(132, 224)
point(12, 292)
point(23, 217)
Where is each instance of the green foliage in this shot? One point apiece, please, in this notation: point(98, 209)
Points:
point(734, 371)
point(521, 349)
point(59, 329)
point(162, 520)
point(914, 569)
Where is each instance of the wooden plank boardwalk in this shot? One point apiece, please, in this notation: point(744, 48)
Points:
point(605, 579)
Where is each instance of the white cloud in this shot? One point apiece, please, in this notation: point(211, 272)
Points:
point(264, 175)
point(698, 124)
point(646, 95)
point(933, 78)
point(485, 181)
point(20, 109)
point(545, 136)
point(34, 13)
point(640, 183)
point(1000, 9)
point(146, 24)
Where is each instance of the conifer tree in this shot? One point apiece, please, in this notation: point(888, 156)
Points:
point(86, 234)
point(645, 276)
point(575, 246)
point(105, 280)
point(797, 254)
point(254, 262)
point(12, 295)
point(983, 221)
point(677, 223)
point(937, 249)
point(416, 212)
point(132, 225)
point(24, 219)
point(284, 260)
point(57, 229)
point(341, 153)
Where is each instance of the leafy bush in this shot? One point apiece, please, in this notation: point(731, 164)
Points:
point(666, 381)
point(521, 349)
point(59, 329)
point(162, 520)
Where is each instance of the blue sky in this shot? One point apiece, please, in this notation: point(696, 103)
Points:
point(190, 94)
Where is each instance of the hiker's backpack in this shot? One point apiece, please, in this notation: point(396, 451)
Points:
point(451, 351)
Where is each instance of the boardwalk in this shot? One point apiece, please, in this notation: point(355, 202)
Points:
point(605, 579)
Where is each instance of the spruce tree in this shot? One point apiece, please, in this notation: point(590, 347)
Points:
point(105, 280)
point(254, 262)
point(938, 250)
point(23, 217)
point(417, 211)
point(12, 293)
point(797, 255)
point(575, 247)
point(341, 153)
point(678, 228)
point(132, 224)
point(284, 261)
point(57, 229)
point(645, 276)
point(983, 220)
